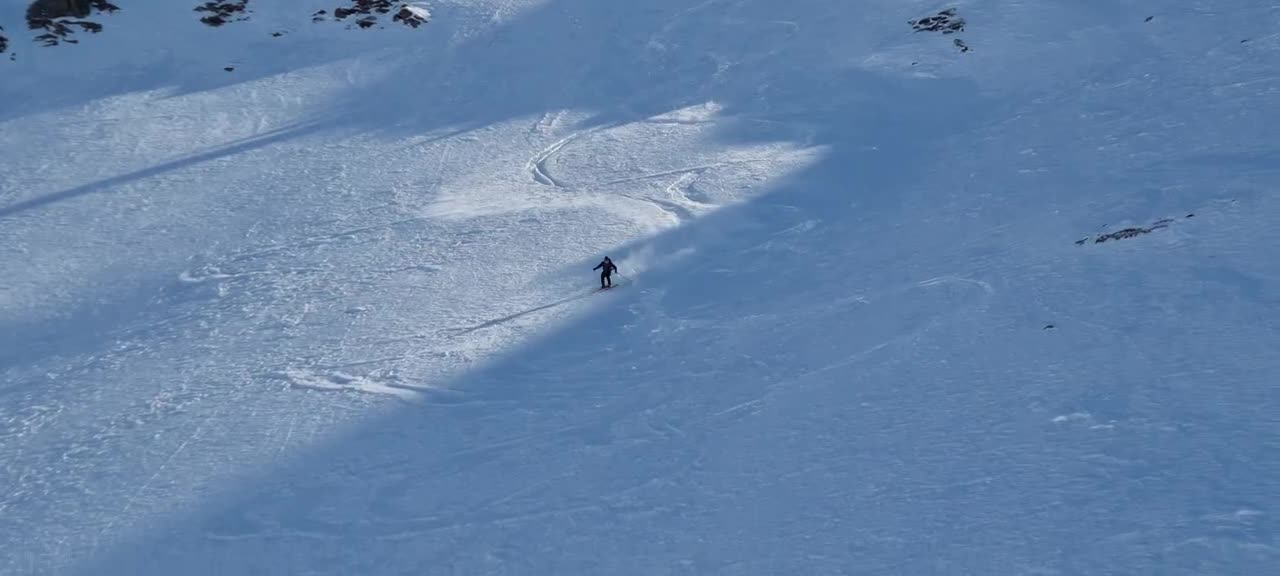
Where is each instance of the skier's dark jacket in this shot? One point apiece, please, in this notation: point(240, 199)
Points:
point(608, 266)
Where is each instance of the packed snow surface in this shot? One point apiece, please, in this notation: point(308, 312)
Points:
point(906, 288)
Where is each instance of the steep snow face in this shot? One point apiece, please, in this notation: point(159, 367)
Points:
point(903, 289)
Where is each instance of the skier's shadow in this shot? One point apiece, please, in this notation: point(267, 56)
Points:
point(510, 317)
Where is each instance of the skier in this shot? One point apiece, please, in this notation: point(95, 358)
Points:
point(606, 268)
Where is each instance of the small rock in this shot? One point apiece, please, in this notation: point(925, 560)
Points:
point(1048, 326)
point(229, 68)
point(1190, 215)
point(1148, 18)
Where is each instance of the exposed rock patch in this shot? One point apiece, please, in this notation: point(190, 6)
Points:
point(60, 18)
point(365, 7)
point(219, 12)
point(4, 42)
point(412, 16)
point(1131, 231)
point(366, 13)
point(52, 9)
point(945, 22)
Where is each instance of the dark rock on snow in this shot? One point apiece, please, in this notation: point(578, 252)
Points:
point(60, 18)
point(220, 12)
point(369, 10)
point(945, 22)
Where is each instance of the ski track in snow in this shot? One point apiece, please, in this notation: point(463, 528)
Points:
point(696, 170)
point(679, 190)
point(674, 212)
point(333, 380)
point(538, 164)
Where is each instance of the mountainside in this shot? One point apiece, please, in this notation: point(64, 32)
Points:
point(906, 288)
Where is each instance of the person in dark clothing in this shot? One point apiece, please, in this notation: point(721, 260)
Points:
point(606, 269)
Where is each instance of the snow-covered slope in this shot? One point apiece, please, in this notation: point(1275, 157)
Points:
point(331, 310)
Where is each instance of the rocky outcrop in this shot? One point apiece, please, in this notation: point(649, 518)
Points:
point(219, 12)
point(1131, 231)
point(61, 18)
point(946, 22)
point(366, 13)
point(412, 16)
point(58, 21)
